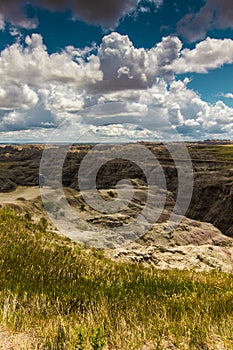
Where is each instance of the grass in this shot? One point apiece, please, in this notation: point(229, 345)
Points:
point(67, 296)
point(214, 153)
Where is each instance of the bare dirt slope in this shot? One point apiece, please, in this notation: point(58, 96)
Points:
point(21, 192)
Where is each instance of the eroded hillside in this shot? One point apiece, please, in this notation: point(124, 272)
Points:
point(212, 199)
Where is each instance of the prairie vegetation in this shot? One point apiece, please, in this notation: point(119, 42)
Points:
point(67, 296)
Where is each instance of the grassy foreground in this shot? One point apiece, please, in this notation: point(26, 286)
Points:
point(70, 297)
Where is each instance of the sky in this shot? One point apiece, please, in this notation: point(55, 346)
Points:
point(116, 70)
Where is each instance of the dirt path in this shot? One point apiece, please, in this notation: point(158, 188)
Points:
point(25, 199)
point(27, 193)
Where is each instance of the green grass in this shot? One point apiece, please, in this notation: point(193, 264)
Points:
point(214, 153)
point(71, 297)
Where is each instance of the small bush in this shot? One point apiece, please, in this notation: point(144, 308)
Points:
point(81, 338)
point(111, 194)
point(43, 223)
point(98, 338)
point(82, 206)
point(28, 216)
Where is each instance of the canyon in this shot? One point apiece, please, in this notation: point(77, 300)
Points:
point(204, 238)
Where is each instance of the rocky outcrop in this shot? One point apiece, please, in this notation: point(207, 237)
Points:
point(198, 258)
point(192, 245)
point(19, 166)
point(188, 232)
point(6, 184)
point(212, 199)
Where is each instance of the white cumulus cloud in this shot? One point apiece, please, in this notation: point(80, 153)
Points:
point(125, 66)
point(208, 54)
point(111, 88)
point(17, 96)
point(32, 65)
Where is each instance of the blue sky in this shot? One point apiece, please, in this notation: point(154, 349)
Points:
point(107, 70)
